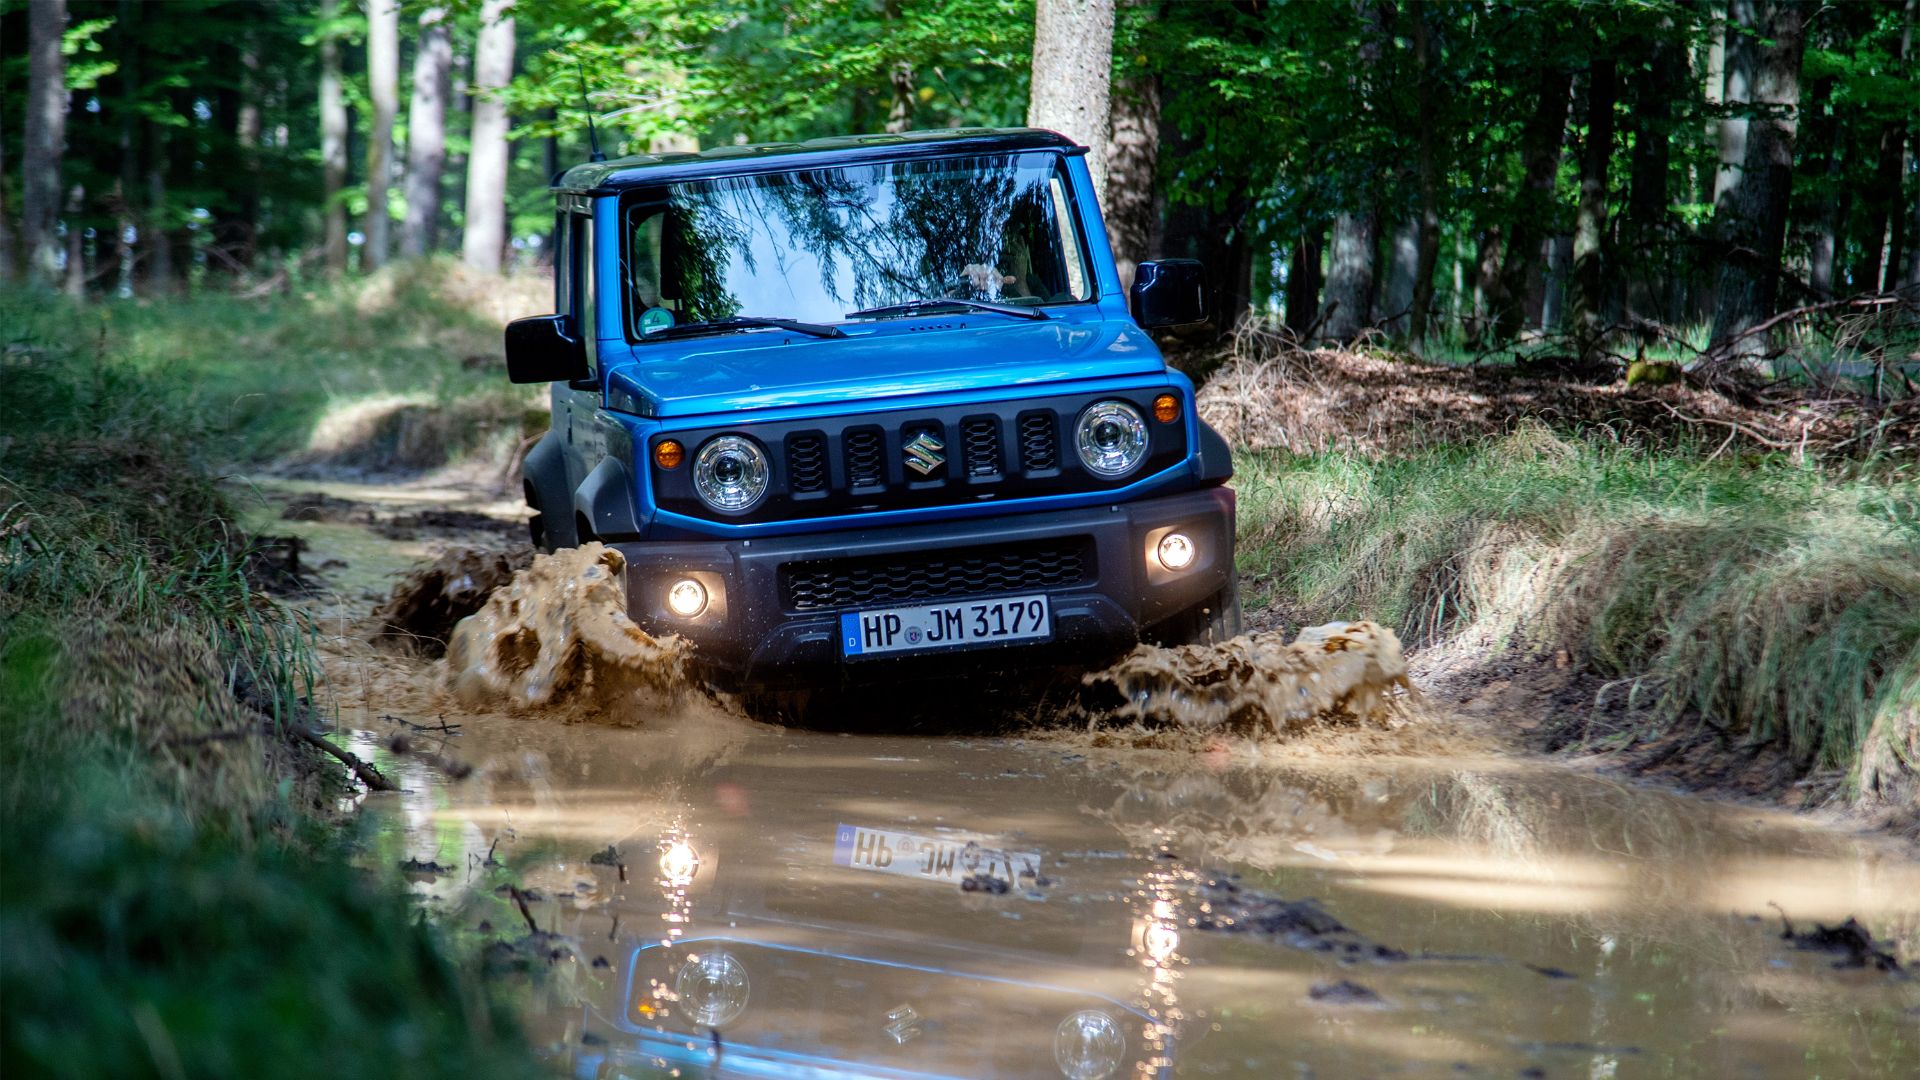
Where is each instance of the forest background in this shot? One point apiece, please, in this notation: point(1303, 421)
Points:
point(1463, 175)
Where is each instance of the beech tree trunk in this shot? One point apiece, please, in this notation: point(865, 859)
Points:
point(46, 134)
point(1750, 214)
point(333, 139)
point(427, 134)
point(485, 242)
point(1072, 76)
point(383, 93)
point(1133, 160)
point(1590, 223)
point(1303, 281)
point(1348, 304)
point(1541, 143)
point(1403, 263)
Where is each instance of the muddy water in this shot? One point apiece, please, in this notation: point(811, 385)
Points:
point(736, 899)
point(1551, 921)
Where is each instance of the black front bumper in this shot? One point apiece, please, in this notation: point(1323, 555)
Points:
point(754, 633)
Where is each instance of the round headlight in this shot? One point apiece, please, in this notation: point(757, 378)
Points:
point(712, 988)
point(730, 473)
point(1088, 1046)
point(1112, 438)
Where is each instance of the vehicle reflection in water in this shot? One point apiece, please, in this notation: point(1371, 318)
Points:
point(793, 904)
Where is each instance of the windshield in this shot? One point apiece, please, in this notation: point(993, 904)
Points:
point(822, 244)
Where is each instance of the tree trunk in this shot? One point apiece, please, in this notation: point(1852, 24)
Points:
point(427, 134)
point(383, 94)
point(1823, 167)
point(485, 242)
point(46, 134)
point(1911, 278)
point(1429, 179)
point(1542, 142)
point(1396, 299)
point(1590, 224)
point(1647, 261)
point(74, 282)
point(1303, 281)
point(1072, 76)
point(1751, 212)
point(1132, 163)
point(333, 138)
point(1350, 260)
point(900, 111)
point(1878, 267)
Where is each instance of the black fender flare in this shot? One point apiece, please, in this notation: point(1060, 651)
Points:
point(1216, 457)
point(605, 500)
point(543, 474)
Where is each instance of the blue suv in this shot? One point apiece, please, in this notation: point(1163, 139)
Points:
point(865, 408)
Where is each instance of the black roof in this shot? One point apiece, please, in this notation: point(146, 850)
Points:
point(603, 177)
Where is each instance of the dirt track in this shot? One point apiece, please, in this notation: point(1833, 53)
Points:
point(1348, 901)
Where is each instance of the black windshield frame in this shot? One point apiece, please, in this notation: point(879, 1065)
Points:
point(648, 198)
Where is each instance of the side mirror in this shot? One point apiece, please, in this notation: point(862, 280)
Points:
point(1169, 292)
point(545, 348)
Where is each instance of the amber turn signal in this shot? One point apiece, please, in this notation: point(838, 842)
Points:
point(1166, 408)
point(668, 454)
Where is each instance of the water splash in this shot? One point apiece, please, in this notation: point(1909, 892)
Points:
point(1258, 683)
point(558, 636)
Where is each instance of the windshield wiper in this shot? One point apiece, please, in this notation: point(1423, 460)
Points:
point(912, 306)
point(747, 322)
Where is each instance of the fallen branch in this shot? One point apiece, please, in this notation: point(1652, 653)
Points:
point(366, 773)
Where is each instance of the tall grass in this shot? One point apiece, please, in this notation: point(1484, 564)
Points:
point(1776, 603)
point(257, 376)
point(173, 898)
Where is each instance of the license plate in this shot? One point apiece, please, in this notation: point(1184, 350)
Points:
point(937, 626)
point(928, 858)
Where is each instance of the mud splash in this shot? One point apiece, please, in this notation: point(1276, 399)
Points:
point(557, 638)
point(1257, 684)
point(424, 607)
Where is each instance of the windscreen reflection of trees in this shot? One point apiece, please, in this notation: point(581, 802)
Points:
point(982, 229)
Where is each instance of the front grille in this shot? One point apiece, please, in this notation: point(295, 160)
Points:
point(914, 577)
point(980, 446)
point(865, 467)
point(1039, 442)
point(807, 462)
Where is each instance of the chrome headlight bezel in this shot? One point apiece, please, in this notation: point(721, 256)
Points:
point(732, 474)
point(1111, 438)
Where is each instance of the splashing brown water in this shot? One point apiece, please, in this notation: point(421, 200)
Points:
point(1259, 684)
point(557, 636)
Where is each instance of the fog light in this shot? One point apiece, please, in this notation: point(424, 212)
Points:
point(688, 597)
point(1176, 551)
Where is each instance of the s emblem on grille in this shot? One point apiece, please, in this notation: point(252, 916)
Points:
point(923, 453)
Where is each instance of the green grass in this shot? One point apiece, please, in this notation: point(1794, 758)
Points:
point(1776, 602)
point(174, 898)
point(256, 376)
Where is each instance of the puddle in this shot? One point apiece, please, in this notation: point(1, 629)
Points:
point(717, 897)
point(802, 895)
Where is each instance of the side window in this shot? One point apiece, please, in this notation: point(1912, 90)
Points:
point(1069, 243)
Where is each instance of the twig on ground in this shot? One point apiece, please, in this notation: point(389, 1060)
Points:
point(366, 773)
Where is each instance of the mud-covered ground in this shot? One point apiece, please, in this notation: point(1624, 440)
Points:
point(686, 889)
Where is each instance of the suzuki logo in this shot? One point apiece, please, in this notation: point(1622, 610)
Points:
point(923, 453)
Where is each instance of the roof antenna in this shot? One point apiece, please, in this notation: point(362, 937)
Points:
point(593, 137)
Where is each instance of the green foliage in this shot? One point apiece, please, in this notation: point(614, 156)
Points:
point(761, 70)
